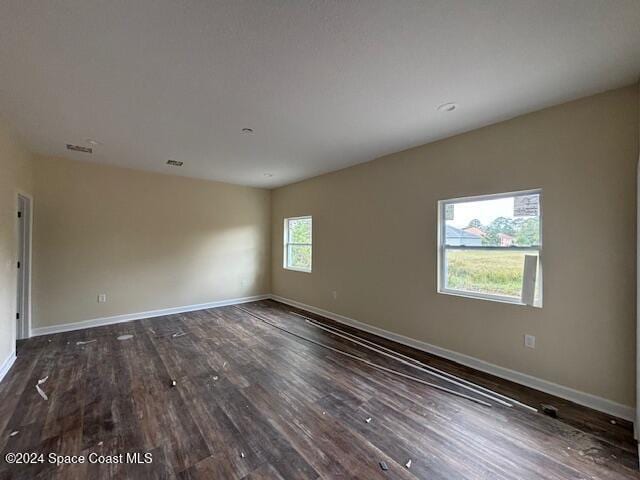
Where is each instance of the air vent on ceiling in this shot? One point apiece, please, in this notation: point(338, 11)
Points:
point(175, 163)
point(79, 148)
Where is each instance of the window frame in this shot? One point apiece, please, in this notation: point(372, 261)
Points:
point(442, 248)
point(285, 256)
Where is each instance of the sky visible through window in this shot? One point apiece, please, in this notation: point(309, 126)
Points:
point(485, 210)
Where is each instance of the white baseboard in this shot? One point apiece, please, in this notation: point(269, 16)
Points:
point(588, 400)
point(7, 364)
point(98, 322)
point(597, 403)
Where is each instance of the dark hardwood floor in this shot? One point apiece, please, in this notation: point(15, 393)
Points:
point(253, 402)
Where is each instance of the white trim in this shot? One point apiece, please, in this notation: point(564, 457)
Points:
point(286, 243)
point(293, 269)
point(7, 364)
point(26, 313)
point(637, 423)
point(493, 196)
point(127, 317)
point(588, 400)
point(482, 296)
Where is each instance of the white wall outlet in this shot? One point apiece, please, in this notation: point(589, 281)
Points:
point(530, 341)
point(102, 298)
point(335, 294)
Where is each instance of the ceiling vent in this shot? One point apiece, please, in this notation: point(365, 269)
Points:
point(175, 163)
point(79, 148)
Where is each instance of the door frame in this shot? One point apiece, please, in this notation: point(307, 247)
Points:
point(24, 233)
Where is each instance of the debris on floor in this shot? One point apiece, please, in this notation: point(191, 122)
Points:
point(384, 466)
point(215, 377)
point(408, 464)
point(14, 433)
point(41, 392)
point(84, 342)
point(241, 454)
point(368, 420)
point(173, 383)
point(612, 422)
point(125, 337)
point(178, 334)
point(549, 410)
point(224, 364)
point(100, 443)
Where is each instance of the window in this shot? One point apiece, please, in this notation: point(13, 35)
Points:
point(297, 244)
point(490, 247)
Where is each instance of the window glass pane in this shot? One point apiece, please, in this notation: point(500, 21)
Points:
point(496, 222)
point(493, 272)
point(300, 230)
point(299, 256)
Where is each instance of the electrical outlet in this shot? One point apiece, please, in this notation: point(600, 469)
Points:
point(530, 341)
point(102, 298)
point(335, 294)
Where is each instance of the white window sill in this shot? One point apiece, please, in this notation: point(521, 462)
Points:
point(486, 297)
point(293, 269)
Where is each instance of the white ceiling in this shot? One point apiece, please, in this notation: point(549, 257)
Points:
point(325, 84)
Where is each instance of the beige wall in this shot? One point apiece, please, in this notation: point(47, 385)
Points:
point(149, 241)
point(153, 241)
point(375, 242)
point(15, 176)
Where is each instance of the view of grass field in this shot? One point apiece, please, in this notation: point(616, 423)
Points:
point(497, 273)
